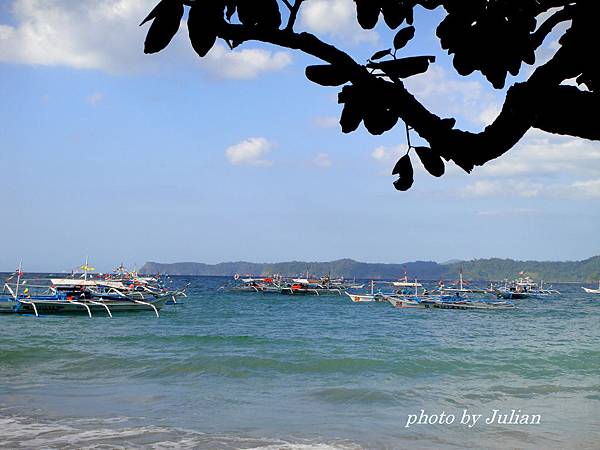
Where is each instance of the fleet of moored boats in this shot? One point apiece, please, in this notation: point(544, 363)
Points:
point(403, 293)
point(120, 291)
point(125, 290)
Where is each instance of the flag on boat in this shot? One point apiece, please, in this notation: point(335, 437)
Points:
point(87, 268)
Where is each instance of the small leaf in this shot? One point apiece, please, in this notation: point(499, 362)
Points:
point(367, 12)
point(403, 36)
point(166, 18)
point(156, 11)
point(409, 15)
point(380, 120)
point(403, 67)
point(263, 13)
point(380, 54)
point(393, 13)
point(432, 162)
point(352, 116)
point(231, 5)
point(403, 184)
point(404, 167)
point(327, 75)
point(203, 21)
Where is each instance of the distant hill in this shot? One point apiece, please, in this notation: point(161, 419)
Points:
point(340, 268)
point(553, 271)
point(479, 269)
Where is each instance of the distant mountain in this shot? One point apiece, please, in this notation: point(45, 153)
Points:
point(479, 269)
point(553, 271)
point(340, 268)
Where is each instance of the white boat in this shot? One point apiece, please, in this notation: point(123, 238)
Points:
point(404, 302)
point(362, 298)
point(461, 287)
point(592, 291)
point(403, 282)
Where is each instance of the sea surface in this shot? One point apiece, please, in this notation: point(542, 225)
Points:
point(252, 371)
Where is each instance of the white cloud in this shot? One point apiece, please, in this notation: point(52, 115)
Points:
point(337, 18)
point(243, 64)
point(326, 122)
point(85, 35)
point(451, 96)
point(251, 151)
point(543, 154)
point(511, 212)
point(389, 155)
point(322, 160)
point(586, 189)
point(104, 35)
point(95, 98)
point(505, 188)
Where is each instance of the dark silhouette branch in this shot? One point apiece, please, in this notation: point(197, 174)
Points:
point(293, 14)
point(520, 112)
point(494, 38)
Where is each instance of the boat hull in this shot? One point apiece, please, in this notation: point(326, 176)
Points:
point(591, 291)
point(361, 298)
point(71, 307)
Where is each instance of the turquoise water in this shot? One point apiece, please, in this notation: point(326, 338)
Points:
point(226, 371)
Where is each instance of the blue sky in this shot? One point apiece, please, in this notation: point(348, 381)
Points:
point(122, 156)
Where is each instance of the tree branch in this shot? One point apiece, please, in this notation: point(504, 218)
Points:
point(568, 110)
point(293, 15)
point(520, 112)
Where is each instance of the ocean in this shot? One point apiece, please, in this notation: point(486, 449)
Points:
point(251, 371)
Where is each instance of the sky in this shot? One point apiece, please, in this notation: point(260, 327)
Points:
point(119, 156)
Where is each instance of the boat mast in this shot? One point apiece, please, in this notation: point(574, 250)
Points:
point(19, 273)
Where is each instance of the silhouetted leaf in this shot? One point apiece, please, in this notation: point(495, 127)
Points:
point(166, 17)
point(352, 116)
point(231, 5)
point(327, 75)
point(379, 120)
point(264, 13)
point(203, 21)
point(380, 54)
point(403, 67)
point(403, 36)
point(403, 184)
point(404, 169)
point(393, 13)
point(449, 122)
point(432, 162)
point(367, 12)
point(409, 15)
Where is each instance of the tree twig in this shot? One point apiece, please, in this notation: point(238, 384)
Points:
point(293, 14)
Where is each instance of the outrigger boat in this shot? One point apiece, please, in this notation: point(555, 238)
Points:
point(457, 301)
point(287, 286)
point(524, 287)
point(592, 291)
point(69, 295)
point(461, 287)
point(466, 304)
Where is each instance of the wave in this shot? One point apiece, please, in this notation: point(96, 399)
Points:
point(29, 433)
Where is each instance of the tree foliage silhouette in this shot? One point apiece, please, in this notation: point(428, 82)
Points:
point(494, 37)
